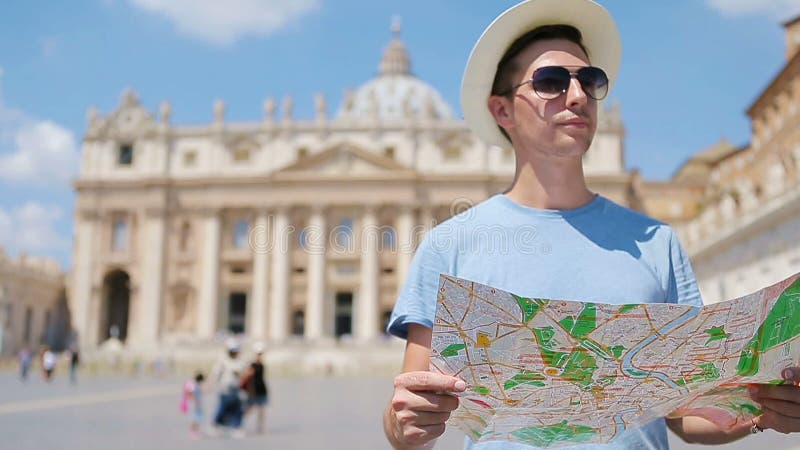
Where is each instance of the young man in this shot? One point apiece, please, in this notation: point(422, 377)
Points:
point(533, 81)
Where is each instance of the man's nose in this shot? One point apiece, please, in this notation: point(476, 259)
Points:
point(576, 96)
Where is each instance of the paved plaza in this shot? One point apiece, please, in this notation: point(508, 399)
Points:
point(142, 413)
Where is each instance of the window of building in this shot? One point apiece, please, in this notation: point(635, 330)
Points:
point(298, 323)
point(190, 159)
point(302, 239)
point(344, 234)
point(302, 153)
point(241, 155)
point(345, 269)
point(388, 238)
point(389, 152)
point(125, 155)
point(237, 312)
point(119, 237)
point(241, 232)
point(452, 153)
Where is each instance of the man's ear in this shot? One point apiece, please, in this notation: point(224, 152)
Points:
point(502, 111)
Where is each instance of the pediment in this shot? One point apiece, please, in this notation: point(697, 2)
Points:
point(129, 122)
point(346, 160)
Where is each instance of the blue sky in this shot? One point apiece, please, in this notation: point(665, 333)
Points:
point(690, 69)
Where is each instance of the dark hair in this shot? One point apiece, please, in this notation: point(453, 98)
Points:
point(199, 377)
point(507, 67)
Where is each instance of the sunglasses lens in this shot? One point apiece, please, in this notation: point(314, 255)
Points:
point(550, 82)
point(594, 82)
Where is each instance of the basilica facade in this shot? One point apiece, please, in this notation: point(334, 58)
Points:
point(287, 229)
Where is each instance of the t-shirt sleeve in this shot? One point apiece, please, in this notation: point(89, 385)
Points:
point(682, 287)
point(417, 300)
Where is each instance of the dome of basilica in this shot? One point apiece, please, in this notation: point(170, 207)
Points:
point(395, 93)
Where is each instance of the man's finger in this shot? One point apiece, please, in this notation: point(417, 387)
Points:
point(431, 418)
point(781, 407)
point(422, 434)
point(792, 375)
point(429, 381)
point(775, 421)
point(435, 402)
point(786, 392)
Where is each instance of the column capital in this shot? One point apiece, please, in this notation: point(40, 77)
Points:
point(319, 208)
point(209, 211)
point(370, 209)
point(406, 208)
point(89, 214)
point(281, 209)
point(154, 212)
point(262, 210)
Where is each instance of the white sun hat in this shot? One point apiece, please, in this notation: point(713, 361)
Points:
point(600, 37)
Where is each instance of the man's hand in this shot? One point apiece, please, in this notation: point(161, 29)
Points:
point(421, 405)
point(781, 404)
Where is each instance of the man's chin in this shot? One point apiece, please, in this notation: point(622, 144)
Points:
point(574, 147)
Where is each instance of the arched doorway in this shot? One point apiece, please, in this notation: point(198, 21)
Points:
point(116, 304)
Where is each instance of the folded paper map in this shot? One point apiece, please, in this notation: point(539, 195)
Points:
point(554, 372)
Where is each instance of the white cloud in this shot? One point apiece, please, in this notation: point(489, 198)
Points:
point(32, 228)
point(44, 153)
point(225, 22)
point(34, 151)
point(777, 9)
point(40, 153)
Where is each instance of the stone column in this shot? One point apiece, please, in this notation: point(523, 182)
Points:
point(366, 314)
point(279, 298)
point(152, 279)
point(208, 304)
point(93, 314)
point(259, 245)
point(404, 226)
point(81, 298)
point(317, 238)
point(427, 218)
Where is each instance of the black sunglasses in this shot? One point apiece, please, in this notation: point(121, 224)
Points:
point(550, 82)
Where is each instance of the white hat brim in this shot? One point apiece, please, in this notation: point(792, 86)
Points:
point(600, 38)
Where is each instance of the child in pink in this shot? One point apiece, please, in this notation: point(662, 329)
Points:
point(193, 395)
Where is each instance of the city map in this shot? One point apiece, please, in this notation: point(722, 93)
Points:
point(554, 372)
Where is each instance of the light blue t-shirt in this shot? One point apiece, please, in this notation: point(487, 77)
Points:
point(601, 252)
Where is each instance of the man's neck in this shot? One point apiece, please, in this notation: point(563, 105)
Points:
point(544, 185)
